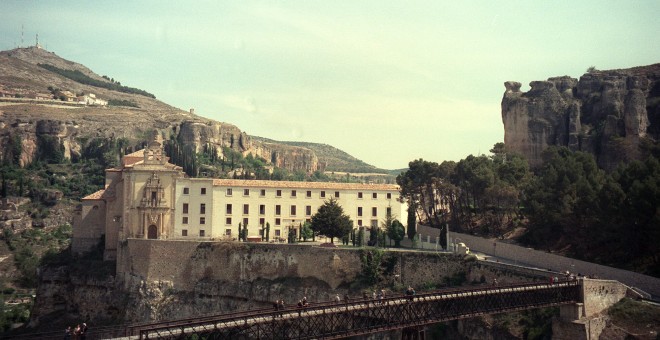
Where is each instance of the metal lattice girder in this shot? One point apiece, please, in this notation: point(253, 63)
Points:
point(330, 320)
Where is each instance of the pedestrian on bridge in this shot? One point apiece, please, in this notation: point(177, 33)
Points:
point(337, 298)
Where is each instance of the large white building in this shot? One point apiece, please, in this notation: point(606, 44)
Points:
point(148, 197)
point(213, 208)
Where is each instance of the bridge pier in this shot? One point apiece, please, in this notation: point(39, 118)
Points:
point(413, 333)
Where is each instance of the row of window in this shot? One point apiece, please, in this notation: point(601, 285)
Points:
point(262, 221)
point(202, 233)
point(278, 210)
point(294, 193)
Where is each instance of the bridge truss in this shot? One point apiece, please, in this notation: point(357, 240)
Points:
point(339, 320)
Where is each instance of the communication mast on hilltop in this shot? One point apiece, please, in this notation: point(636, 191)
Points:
point(22, 29)
point(37, 45)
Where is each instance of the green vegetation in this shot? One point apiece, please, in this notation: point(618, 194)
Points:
point(121, 102)
point(377, 266)
point(534, 324)
point(627, 313)
point(82, 78)
point(330, 221)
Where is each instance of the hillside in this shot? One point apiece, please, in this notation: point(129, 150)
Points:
point(27, 75)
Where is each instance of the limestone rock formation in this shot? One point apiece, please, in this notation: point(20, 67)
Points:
point(613, 114)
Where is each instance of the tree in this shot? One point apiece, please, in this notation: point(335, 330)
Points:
point(412, 221)
point(396, 232)
point(267, 231)
point(330, 220)
point(306, 231)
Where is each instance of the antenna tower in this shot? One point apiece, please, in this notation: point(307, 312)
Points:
point(22, 29)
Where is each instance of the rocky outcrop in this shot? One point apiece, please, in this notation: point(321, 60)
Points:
point(613, 114)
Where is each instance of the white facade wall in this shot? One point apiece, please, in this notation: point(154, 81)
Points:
point(193, 192)
point(257, 202)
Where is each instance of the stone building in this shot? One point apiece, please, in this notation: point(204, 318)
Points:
point(148, 197)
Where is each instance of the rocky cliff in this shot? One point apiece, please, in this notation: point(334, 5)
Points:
point(614, 115)
point(24, 122)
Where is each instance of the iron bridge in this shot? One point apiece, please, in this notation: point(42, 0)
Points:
point(338, 320)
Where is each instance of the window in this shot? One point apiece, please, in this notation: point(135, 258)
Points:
point(202, 208)
point(184, 232)
point(374, 223)
point(246, 209)
point(245, 221)
point(185, 208)
point(308, 220)
point(374, 211)
point(202, 220)
point(359, 211)
point(201, 233)
point(278, 193)
point(277, 232)
point(228, 221)
point(228, 191)
point(359, 195)
point(359, 223)
point(277, 221)
point(336, 194)
point(262, 193)
point(278, 210)
point(293, 193)
point(309, 193)
point(389, 195)
point(308, 210)
point(293, 210)
point(185, 220)
point(186, 191)
point(374, 195)
point(246, 192)
point(229, 209)
point(262, 221)
point(262, 209)
point(322, 194)
point(202, 191)
point(389, 211)
point(228, 232)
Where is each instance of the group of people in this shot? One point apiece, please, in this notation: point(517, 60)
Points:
point(77, 333)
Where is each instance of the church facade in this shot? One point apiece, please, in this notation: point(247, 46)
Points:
point(148, 197)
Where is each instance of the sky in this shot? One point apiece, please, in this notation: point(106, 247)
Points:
point(386, 81)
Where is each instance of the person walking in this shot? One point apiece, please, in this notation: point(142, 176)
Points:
point(67, 333)
point(337, 298)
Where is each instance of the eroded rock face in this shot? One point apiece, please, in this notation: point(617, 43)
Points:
point(607, 113)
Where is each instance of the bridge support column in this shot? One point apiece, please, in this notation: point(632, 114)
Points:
point(413, 333)
point(572, 325)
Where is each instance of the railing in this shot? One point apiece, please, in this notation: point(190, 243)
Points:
point(335, 320)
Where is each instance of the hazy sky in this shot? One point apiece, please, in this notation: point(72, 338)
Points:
point(385, 81)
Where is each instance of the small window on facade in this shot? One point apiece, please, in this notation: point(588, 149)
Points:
point(277, 232)
point(228, 221)
point(202, 191)
point(293, 210)
point(186, 191)
point(262, 193)
point(278, 210)
point(262, 209)
point(374, 223)
point(202, 208)
point(228, 191)
point(309, 220)
point(262, 221)
point(201, 233)
point(309, 193)
point(184, 232)
point(246, 209)
point(389, 211)
point(185, 220)
point(278, 193)
point(359, 195)
point(336, 194)
point(374, 195)
point(360, 223)
point(359, 211)
point(322, 194)
point(229, 209)
point(389, 195)
point(277, 221)
point(202, 220)
point(293, 193)
point(374, 211)
point(246, 192)
point(185, 208)
point(308, 210)
point(228, 232)
point(245, 221)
